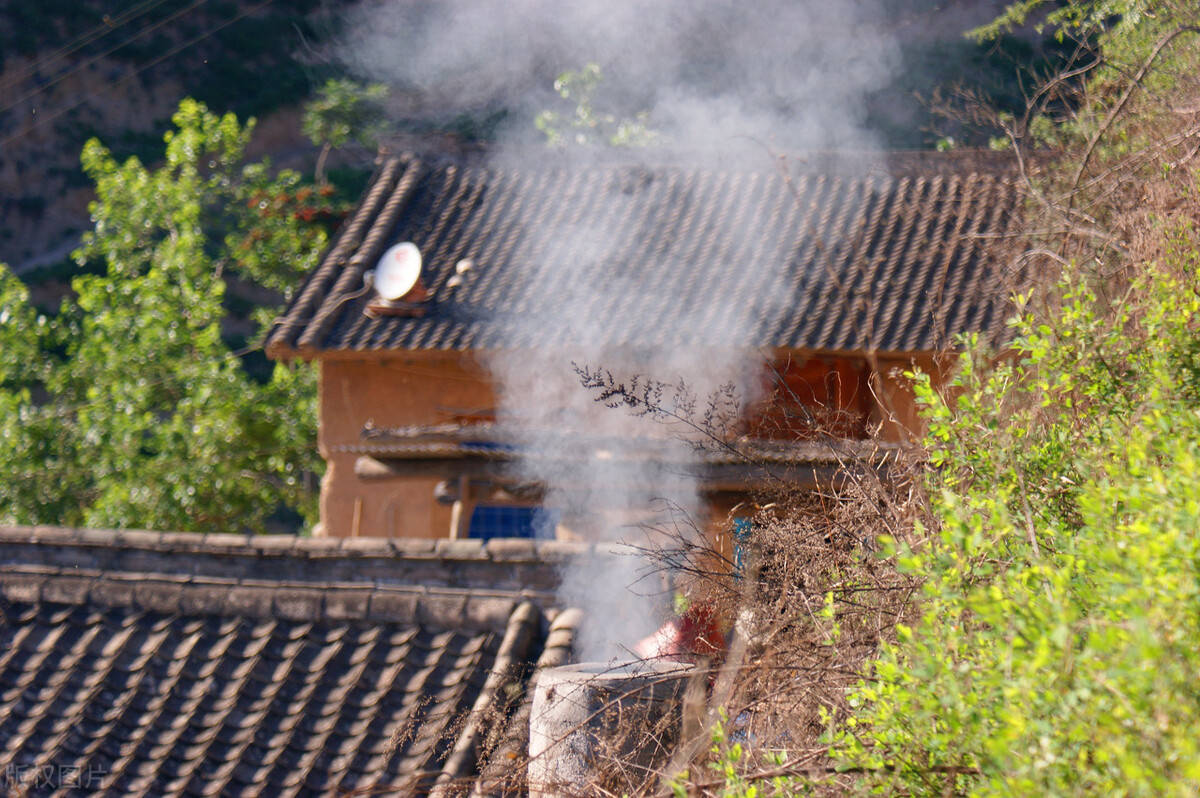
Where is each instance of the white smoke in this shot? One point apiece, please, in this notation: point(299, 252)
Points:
point(724, 82)
point(715, 74)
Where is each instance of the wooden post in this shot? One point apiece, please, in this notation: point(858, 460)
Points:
point(356, 524)
point(460, 511)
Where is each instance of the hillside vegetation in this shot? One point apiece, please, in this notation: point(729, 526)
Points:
point(1019, 616)
point(1053, 647)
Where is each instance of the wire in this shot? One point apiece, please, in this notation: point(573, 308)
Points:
point(100, 31)
point(175, 50)
point(79, 67)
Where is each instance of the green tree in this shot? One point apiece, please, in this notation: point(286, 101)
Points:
point(37, 455)
point(586, 122)
point(344, 111)
point(140, 414)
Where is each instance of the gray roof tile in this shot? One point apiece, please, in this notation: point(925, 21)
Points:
point(897, 261)
point(198, 678)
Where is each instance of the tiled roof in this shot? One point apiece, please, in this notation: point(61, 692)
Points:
point(166, 665)
point(896, 260)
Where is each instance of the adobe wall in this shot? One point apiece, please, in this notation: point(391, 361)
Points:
point(436, 387)
point(418, 388)
point(896, 408)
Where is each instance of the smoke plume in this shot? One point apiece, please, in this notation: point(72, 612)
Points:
point(723, 83)
point(714, 74)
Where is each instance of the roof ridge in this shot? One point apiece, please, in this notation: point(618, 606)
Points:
point(297, 546)
point(507, 670)
point(308, 575)
point(453, 608)
point(497, 776)
point(880, 162)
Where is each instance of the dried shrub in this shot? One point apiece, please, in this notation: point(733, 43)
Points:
point(800, 585)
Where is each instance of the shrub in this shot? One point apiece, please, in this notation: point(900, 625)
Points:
point(1054, 650)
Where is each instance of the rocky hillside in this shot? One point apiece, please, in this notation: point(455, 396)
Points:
point(72, 69)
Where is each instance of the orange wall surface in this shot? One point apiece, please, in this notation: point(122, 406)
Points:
point(436, 388)
point(894, 410)
point(422, 389)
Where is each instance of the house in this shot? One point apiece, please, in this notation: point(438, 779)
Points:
point(835, 277)
point(172, 664)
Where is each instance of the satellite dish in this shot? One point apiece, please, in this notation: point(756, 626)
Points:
point(398, 271)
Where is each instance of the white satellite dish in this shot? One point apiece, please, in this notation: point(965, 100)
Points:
point(398, 271)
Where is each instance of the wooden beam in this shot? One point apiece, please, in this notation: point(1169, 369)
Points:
point(713, 478)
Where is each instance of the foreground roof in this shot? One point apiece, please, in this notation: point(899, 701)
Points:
point(137, 663)
point(892, 259)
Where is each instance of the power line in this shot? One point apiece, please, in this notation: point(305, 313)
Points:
point(109, 25)
point(135, 73)
point(79, 67)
